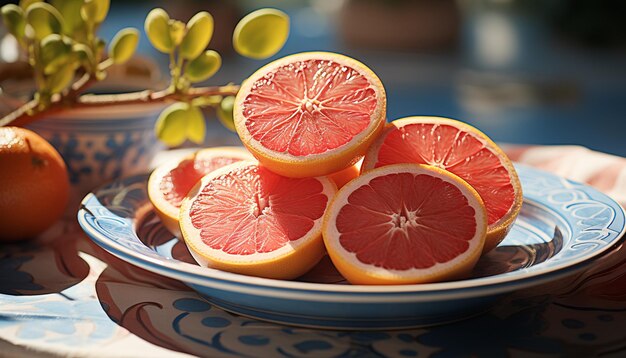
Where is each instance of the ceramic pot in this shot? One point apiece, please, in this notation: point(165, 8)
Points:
point(99, 145)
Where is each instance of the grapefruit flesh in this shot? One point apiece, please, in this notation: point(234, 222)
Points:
point(169, 183)
point(405, 223)
point(310, 114)
point(176, 184)
point(462, 150)
point(246, 219)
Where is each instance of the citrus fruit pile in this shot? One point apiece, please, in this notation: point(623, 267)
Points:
point(430, 196)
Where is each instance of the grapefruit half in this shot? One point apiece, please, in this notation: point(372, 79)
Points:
point(169, 183)
point(246, 219)
point(463, 150)
point(405, 224)
point(310, 114)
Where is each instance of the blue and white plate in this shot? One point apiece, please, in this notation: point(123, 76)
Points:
point(562, 228)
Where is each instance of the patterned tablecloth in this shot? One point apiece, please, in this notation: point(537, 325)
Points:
point(63, 295)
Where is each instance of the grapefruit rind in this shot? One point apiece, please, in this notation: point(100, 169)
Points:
point(167, 212)
point(357, 272)
point(496, 231)
point(342, 177)
point(288, 262)
point(313, 164)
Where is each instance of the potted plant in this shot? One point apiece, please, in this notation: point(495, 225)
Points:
point(103, 136)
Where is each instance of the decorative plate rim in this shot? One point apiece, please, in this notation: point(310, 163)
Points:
point(198, 275)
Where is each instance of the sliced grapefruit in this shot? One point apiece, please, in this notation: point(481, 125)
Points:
point(310, 114)
point(169, 183)
point(243, 218)
point(462, 150)
point(405, 223)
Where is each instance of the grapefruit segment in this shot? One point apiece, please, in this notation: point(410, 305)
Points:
point(246, 219)
point(405, 223)
point(169, 183)
point(461, 149)
point(310, 114)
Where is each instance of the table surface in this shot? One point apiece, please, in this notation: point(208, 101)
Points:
point(62, 294)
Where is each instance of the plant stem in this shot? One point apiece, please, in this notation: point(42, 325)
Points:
point(104, 65)
point(28, 112)
point(37, 70)
point(92, 44)
point(179, 72)
point(174, 71)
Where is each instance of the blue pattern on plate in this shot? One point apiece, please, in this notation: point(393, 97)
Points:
point(562, 227)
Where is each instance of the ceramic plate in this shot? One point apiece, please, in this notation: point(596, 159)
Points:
point(562, 227)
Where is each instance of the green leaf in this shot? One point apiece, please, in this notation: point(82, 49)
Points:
point(60, 79)
point(261, 33)
point(55, 52)
point(123, 45)
point(198, 36)
point(171, 126)
point(158, 30)
point(13, 18)
point(225, 113)
point(203, 66)
point(73, 23)
point(95, 11)
point(196, 126)
point(24, 4)
point(84, 54)
point(43, 19)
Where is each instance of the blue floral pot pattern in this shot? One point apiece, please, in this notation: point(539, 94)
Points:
point(99, 150)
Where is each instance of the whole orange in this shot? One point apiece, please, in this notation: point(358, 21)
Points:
point(34, 184)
